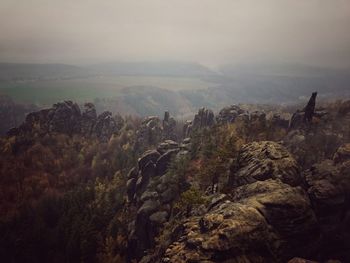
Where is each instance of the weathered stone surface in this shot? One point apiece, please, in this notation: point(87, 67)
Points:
point(132, 173)
point(159, 217)
point(342, 154)
point(204, 118)
point(105, 126)
point(268, 217)
point(148, 207)
point(302, 117)
point(260, 161)
point(266, 221)
point(66, 117)
point(328, 185)
point(169, 125)
point(150, 131)
point(229, 114)
point(130, 188)
point(155, 192)
point(310, 108)
point(151, 155)
point(148, 195)
point(164, 160)
point(167, 145)
point(186, 132)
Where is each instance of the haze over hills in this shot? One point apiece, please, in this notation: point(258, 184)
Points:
point(149, 88)
point(179, 131)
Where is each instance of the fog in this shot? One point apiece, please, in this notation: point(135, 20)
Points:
point(211, 32)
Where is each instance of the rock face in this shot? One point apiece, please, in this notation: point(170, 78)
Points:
point(106, 125)
point(302, 117)
point(169, 125)
point(267, 219)
point(328, 185)
point(229, 114)
point(204, 118)
point(66, 117)
point(151, 191)
point(260, 161)
point(310, 108)
point(153, 130)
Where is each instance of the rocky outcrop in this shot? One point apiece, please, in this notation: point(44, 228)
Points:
point(310, 108)
point(66, 117)
point(328, 185)
point(187, 129)
point(259, 161)
point(153, 130)
point(230, 114)
point(150, 131)
point(204, 118)
point(151, 190)
point(106, 125)
point(169, 126)
point(267, 219)
point(304, 117)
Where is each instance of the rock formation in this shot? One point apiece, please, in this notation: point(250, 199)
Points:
point(302, 117)
point(267, 219)
point(262, 161)
point(151, 190)
point(204, 118)
point(169, 125)
point(66, 117)
point(229, 114)
point(153, 130)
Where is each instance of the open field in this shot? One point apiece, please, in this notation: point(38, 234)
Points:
point(46, 92)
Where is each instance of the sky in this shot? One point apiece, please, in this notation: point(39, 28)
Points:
point(211, 32)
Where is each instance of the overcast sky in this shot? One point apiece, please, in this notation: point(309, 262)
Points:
point(211, 32)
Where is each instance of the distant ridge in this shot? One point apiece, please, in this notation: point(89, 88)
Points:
point(169, 68)
point(33, 71)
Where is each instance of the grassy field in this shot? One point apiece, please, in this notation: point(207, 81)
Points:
point(46, 92)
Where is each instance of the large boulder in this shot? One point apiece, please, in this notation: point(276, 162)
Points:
point(229, 114)
point(268, 217)
point(148, 156)
point(266, 221)
point(259, 161)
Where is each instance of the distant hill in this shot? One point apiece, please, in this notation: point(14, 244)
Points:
point(148, 88)
point(181, 69)
point(277, 83)
point(24, 71)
